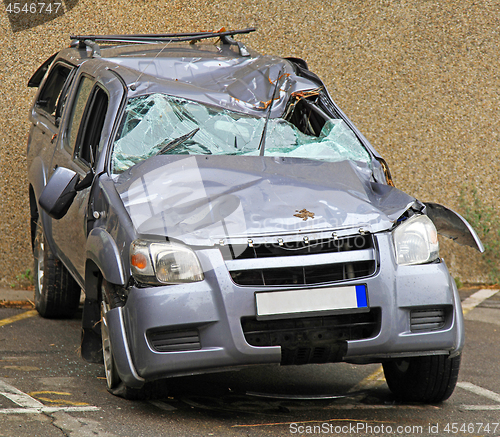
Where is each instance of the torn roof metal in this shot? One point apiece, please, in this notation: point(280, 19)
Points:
point(211, 74)
point(238, 83)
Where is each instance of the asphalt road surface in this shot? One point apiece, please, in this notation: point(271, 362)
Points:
point(46, 389)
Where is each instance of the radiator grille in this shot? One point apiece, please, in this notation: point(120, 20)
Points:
point(305, 275)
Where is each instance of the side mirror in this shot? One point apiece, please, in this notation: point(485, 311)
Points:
point(61, 189)
point(58, 194)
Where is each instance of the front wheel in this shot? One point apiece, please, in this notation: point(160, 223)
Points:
point(110, 298)
point(57, 294)
point(430, 379)
point(112, 378)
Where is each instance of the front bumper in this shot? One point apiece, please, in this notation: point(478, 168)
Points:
point(197, 328)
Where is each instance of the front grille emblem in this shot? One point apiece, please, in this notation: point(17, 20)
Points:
point(304, 214)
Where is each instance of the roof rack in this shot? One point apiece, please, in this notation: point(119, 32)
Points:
point(91, 41)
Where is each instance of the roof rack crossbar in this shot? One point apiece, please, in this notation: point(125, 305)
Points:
point(91, 41)
point(142, 35)
point(159, 38)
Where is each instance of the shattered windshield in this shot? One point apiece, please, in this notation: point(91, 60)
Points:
point(161, 124)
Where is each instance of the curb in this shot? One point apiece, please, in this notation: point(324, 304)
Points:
point(8, 295)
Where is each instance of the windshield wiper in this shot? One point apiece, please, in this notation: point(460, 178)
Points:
point(262, 143)
point(177, 141)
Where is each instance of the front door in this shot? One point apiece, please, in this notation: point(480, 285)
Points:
point(84, 138)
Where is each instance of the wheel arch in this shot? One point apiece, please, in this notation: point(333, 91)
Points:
point(103, 261)
point(91, 349)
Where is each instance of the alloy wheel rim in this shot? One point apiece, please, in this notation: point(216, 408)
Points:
point(39, 256)
point(106, 347)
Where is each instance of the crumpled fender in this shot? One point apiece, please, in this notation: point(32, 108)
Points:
point(452, 225)
point(103, 251)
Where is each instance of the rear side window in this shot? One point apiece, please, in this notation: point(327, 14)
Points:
point(50, 97)
point(91, 127)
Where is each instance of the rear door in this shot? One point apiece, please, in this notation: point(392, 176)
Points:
point(47, 110)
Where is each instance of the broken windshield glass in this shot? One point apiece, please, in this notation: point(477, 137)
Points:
point(154, 121)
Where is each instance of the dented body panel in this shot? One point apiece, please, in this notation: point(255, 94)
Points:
point(200, 200)
point(452, 225)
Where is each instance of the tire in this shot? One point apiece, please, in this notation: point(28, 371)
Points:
point(57, 294)
point(111, 298)
point(430, 379)
point(112, 378)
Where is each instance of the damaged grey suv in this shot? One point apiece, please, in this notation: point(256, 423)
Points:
point(219, 210)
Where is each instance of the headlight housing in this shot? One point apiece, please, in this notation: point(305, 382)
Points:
point(164, 263)
point(415, 241)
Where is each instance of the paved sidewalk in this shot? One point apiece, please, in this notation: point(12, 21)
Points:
point(10, 294)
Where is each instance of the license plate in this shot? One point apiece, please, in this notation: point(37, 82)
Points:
point(311, 300)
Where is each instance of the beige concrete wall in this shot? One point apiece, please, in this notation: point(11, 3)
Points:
point(419, 78)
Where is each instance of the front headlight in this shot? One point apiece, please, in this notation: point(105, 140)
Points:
point(415, 241)
point(164, 263)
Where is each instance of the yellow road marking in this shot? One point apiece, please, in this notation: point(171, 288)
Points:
point(35, 394)
point(30, 405)
point(22, 368)
point(21, 316)
point(63, 402)
point(371, 381)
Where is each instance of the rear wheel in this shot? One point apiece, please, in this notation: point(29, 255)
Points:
point(57, 294)
point(429, 379)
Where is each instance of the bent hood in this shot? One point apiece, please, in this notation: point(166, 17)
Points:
point(202, 200)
